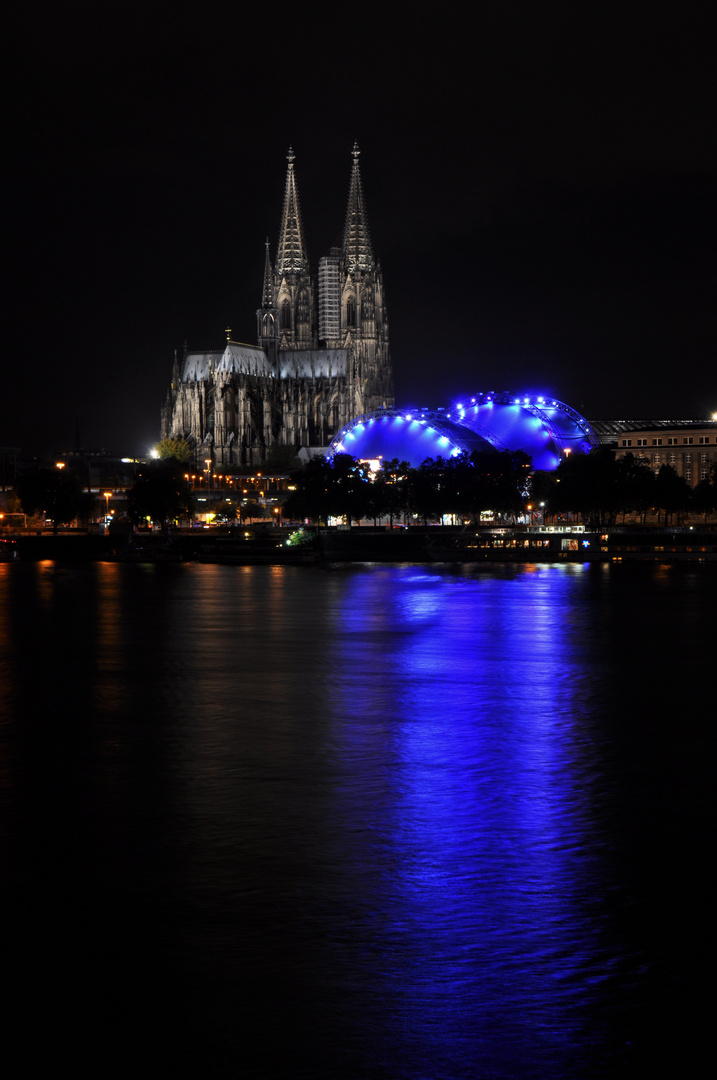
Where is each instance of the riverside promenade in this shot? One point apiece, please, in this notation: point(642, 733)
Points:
point(416, 544)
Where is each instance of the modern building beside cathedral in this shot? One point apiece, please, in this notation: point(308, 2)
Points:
point(322, 356)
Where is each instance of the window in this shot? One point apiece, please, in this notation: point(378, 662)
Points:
point(704, 439)
point(673, 459)
point(642, 442)
point(350, 312)
point(672, 442)
point(656, 459)
point(657, 442)
point(704, 474)
point(688, 475)
point(627, 442)
point(286, 315)
point(687, 442)
point(688, 459)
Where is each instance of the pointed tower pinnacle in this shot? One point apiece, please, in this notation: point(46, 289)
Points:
point(267, 293)
point(357, 240)
point(291, 255)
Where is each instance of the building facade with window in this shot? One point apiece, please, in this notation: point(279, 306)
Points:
point(322, 354)
point(689, 446)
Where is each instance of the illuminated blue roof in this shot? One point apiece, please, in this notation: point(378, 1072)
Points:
point(410, 435)
point(541, 426)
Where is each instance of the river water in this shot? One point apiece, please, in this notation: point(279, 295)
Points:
point(374, 822)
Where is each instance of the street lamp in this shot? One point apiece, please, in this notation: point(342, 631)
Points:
point(107, 496)
point(208, 463)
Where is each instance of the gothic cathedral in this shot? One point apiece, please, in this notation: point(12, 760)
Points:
point(322, 356)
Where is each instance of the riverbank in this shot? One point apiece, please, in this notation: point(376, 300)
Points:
point(418, 544)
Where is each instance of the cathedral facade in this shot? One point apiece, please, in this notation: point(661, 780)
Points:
point(322, 354)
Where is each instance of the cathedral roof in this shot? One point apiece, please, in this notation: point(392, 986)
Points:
point(357, 240)
point(199, 365)
point(312, 363)
point(245, 360)
point(240, 359)
point(291, 257)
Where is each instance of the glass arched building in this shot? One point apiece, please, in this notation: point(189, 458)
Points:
point(543, 427)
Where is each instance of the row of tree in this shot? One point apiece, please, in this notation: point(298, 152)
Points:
point(601, 487)
point(598, 486)
point(465, 485)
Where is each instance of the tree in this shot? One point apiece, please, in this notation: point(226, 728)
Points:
point(55, 493)
point(391, 488)
point(250, 510)
point(704, 497)
point(311, 498)
point(589, 483)
point(636, 485)
point(336, 488)
point(543, 491)
point(176, 448)
point(160, 493)
point(506, 482)
point(349, 488)
point(671, 493)
point(423, 490)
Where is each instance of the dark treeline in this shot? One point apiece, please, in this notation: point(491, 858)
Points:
point(602, 488)
point(55, 493)
point(464, 486)
point(598, 487)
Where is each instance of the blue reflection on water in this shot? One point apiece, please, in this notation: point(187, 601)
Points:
point(487, 936)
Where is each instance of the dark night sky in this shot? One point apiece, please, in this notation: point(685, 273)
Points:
point(541, 183)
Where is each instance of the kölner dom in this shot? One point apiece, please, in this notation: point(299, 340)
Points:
point(322, 356)
point(320, 377)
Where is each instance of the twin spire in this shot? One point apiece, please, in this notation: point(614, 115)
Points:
point(357, 241)
point(291, 257)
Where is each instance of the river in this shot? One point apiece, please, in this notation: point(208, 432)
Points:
point(376, 822)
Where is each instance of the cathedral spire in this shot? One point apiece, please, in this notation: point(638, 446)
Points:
point(357, 240)
point(267, 294)
point(291, 255)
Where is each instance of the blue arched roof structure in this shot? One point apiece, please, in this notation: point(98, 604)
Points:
point(540, 425)
point(410, 435)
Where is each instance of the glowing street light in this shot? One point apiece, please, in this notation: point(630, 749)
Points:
point(208, 463)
